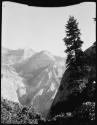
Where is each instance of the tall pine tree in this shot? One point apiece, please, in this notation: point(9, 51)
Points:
point(72, 40)
point(74, 52)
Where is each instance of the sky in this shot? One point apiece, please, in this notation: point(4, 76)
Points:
point(43, 28)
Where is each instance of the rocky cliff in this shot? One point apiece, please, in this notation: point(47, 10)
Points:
point(31, 78)
point(64, 101)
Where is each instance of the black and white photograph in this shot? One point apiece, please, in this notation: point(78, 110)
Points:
point(48, 63)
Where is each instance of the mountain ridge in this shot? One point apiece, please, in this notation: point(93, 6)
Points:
point(36, 78)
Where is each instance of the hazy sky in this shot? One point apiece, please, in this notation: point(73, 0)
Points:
point(44, 28)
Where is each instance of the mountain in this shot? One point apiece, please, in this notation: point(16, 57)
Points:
point(13, 56)
point(37, 61)
point(31, 81)
point(28, 52)
point(10, 81)
point(41, 75)
point(64, 101)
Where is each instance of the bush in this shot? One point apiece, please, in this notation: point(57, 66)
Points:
point(13, 113)
point(86, 112)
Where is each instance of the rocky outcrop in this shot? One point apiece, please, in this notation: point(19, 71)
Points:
point(64, 101)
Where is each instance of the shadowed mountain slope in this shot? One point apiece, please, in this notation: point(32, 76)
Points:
point(64, 101)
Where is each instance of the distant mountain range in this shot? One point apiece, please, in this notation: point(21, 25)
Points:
point(31, 78)
point(13, 56)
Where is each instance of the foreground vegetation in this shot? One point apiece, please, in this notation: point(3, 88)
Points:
point(13, 113)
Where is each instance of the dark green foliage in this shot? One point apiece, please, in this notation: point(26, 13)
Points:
point(16, 114)
point(82, 115)
point(86, 112)
point(89, 93)
point(72, 40)
point(13, 113)
point(81, 65)
point(75, 56)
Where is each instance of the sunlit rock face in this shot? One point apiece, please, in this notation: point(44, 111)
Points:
point(28, 52)
point(33, 79)
point(41, 76)
point(10, 82)
point(62, 101)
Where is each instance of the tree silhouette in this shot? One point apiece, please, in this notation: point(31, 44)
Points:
point(72, 40)
point(74, 52)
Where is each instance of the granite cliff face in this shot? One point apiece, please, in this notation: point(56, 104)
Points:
point(31, 78)
point(63, 101)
